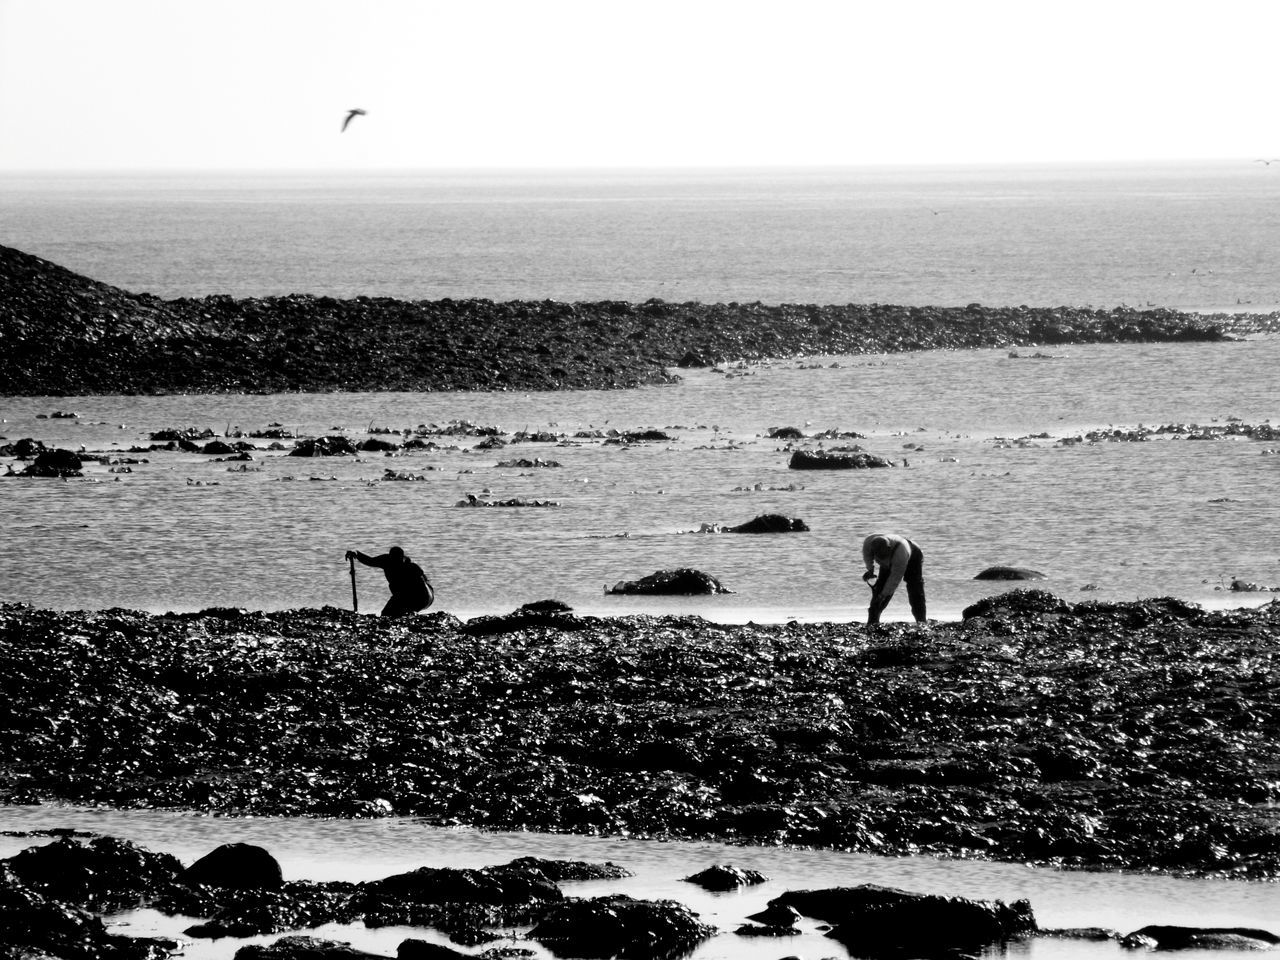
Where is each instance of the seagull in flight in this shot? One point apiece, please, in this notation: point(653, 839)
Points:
point(351, 114)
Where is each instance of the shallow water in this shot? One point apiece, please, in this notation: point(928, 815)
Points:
point(1111, 520)
point(369, 849)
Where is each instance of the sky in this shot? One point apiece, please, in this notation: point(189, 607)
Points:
point(140, 85)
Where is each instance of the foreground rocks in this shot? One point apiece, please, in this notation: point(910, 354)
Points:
point(1136, 735)
point(65, 334)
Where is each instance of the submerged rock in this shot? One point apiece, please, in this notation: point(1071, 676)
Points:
point(1009, 573)
point(770, 523)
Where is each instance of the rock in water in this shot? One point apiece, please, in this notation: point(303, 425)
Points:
point(236, 866)
point(681, 582)
point(1010, 573)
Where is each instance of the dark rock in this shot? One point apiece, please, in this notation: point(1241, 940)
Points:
point(820, 460)
point(104, 872)
point(488, 626)
point(1096, 934)
point(495, 885)
point(323, 447)
point(23, 449)
point(413, 949)
point(1009, 573)
point(770, 523)
point(726, 877)
point(776, 915)
point(545, 606)
point(620, 926)
point(758, 930)
point(558, 871)
point(54, 463)
point(873, 920)
point(376, 445)
point(304, 948)
point(219, 447)
point(785, 433)
point(236, 866)
point(1018, 603)
point(681, 582)
point(1201, 938)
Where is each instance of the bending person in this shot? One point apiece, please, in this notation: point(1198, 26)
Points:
point(410, 589)
point(898, 559)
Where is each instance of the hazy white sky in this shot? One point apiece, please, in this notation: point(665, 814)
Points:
point(264, 84)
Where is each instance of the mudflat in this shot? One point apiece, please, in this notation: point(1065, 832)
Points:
point(1134, 735)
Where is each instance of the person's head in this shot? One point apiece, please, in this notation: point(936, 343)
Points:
point(396, 553)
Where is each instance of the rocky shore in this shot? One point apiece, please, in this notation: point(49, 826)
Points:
point(1134, 736)
point(63, 334)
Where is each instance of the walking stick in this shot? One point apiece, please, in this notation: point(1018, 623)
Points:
point(355, 602)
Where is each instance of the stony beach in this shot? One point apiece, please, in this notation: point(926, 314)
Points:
point(1133, 736)
point(64, 334)
point(1123, 736)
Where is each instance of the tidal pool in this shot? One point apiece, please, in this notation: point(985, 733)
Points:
point(357, 850)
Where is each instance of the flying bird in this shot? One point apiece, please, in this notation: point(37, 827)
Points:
point(357, 112)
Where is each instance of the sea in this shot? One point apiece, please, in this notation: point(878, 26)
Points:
point(1002, 456)
point(987, 467)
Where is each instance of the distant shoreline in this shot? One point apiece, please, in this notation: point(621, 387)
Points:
point(68, 335)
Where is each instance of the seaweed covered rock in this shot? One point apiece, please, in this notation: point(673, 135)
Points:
point(304, 948)
point(1009, 573)
point(821, 460)
point(682, 582)
point(620, 926)
point(323, 447)
point(54, 463)
point(770, 523)
point(1017, 603)
point(873, 920)
point(102, 872)
point(496, 885)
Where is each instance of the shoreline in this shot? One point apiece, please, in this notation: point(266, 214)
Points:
point(1113, 736)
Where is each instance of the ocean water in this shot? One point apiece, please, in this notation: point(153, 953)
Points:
point(1191, 236)
point(987, 478)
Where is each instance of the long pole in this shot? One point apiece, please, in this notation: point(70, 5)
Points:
point(355, 601)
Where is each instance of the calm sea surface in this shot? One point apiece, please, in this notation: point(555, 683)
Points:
point(1123, 520)
point(1201, 237)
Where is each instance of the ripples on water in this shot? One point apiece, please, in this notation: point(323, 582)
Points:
point(1132, 519)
